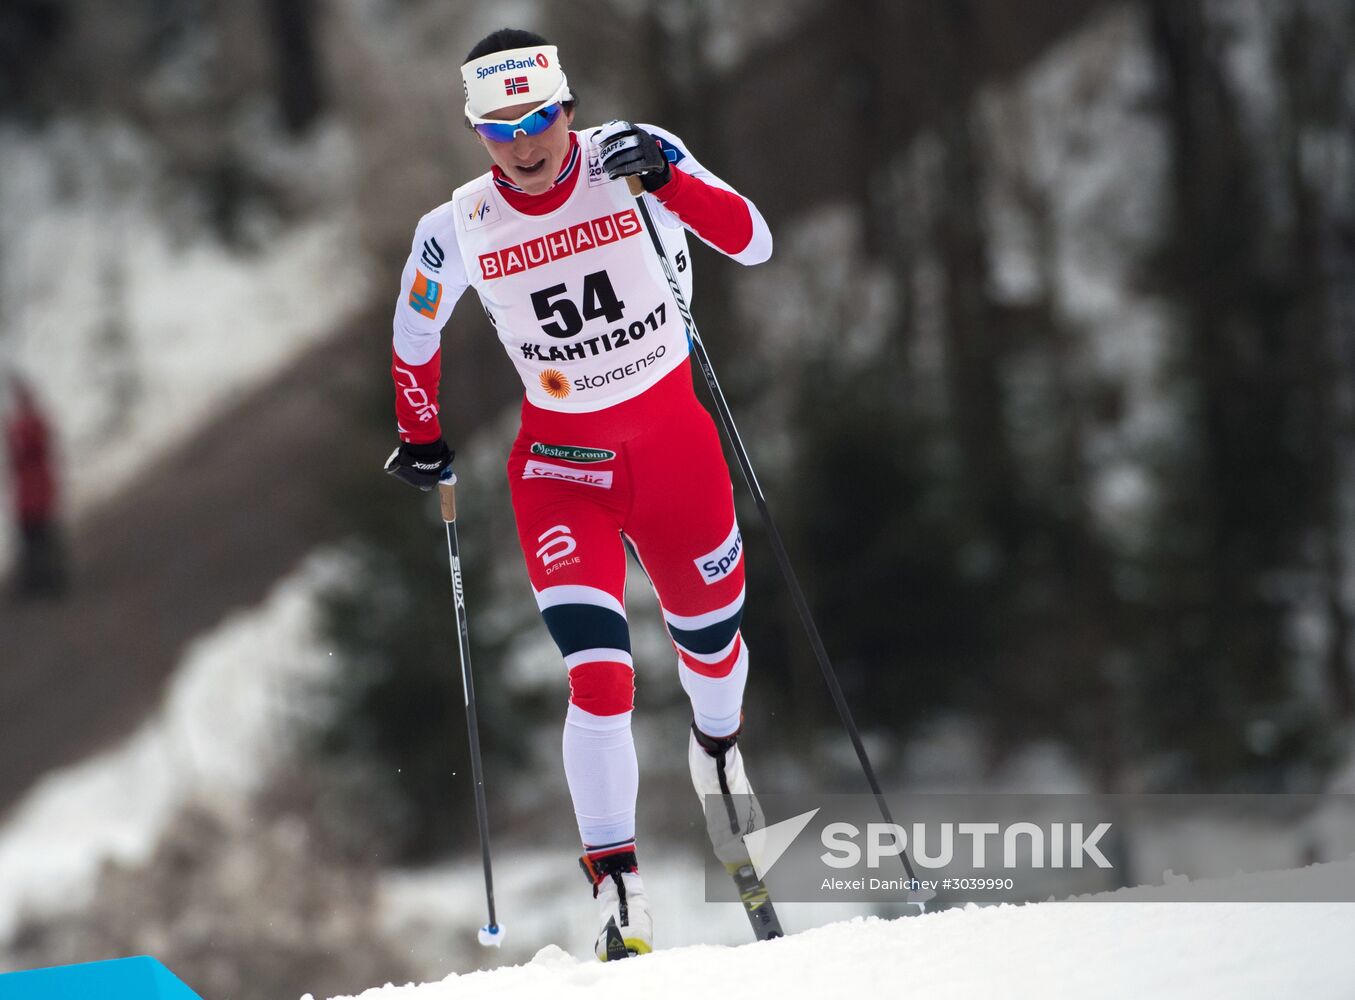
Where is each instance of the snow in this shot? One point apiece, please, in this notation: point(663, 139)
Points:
point(1105, 949)
point(221, 727)
point(541, 896)
point(132, 321)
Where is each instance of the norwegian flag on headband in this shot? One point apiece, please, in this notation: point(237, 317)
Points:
point(515, 85)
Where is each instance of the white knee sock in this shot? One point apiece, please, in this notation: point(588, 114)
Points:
point(717, 701)
point(603, 775)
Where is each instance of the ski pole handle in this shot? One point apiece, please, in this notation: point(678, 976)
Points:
point(636, 188)
point(447, 497)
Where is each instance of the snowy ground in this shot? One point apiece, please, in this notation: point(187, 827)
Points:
point(223, 724)
point(1045, 950)
point(542, 897)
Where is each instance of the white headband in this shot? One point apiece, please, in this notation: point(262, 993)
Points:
point(528, 75)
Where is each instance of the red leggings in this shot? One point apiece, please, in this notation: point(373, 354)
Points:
point(649, 470)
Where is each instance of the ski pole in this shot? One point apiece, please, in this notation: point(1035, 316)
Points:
point(778, 546)
point(492, 933)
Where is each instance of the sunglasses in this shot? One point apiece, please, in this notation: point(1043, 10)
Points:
point(534, 122)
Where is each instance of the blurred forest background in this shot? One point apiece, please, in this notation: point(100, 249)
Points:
point(1050, 382)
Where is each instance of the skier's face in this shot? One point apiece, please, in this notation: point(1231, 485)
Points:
point(532, 162)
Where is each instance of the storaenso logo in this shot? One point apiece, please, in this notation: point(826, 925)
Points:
point(572, 453)
point(586, 382)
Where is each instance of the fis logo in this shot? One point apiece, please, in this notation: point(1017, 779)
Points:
point(478, 211)
point(715, 566)
point(425, 296)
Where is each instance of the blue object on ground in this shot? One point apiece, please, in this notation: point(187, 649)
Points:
point(141, 978)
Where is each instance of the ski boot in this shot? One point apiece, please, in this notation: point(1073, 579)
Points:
point(717, 769)
point(626, 926)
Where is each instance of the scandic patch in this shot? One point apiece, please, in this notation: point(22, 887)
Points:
point(585, 477)
point(425, 296)
point(561, 243)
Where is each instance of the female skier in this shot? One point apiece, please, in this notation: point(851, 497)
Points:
point(614, 446)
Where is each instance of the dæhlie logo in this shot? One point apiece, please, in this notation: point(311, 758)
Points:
point(558, 543)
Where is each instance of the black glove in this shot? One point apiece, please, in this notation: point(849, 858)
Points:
point(420, 465)
point(627, 149)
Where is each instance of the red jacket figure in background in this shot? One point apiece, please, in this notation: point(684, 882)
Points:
point(28, 440)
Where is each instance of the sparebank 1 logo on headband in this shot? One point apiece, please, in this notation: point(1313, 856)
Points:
point(538, 62)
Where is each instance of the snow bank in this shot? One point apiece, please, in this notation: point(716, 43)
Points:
point(1046, 950)
point(222, 725)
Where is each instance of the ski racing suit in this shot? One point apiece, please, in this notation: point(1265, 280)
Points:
point(614, 446)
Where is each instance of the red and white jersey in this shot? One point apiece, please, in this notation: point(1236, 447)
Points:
point(569, 280)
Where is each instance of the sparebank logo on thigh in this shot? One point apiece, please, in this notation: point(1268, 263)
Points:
point(716, 565)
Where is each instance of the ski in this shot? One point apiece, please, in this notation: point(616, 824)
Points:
point(757, 903)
